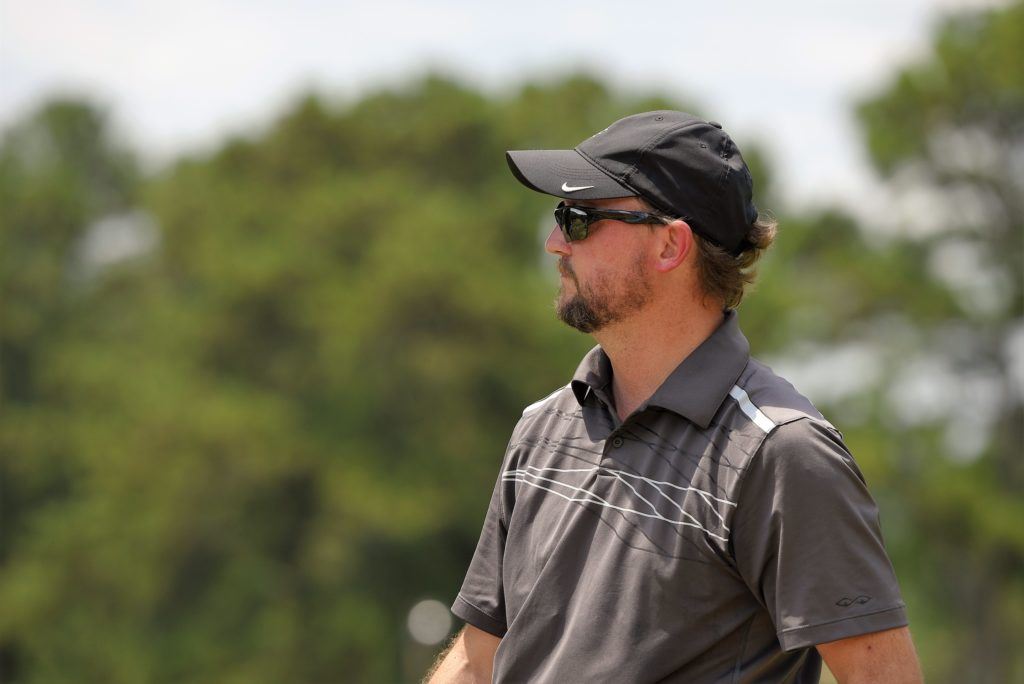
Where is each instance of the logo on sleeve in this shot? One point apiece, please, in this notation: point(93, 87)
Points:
point(860, 600)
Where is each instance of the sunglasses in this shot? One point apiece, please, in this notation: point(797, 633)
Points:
point(574, 222)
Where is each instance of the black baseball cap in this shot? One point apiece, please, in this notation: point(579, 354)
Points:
point(682, 165)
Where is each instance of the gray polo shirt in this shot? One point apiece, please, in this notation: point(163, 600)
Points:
point(716, 534)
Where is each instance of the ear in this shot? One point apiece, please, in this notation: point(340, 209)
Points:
point(674, 243)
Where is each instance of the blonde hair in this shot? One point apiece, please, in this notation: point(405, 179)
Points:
point(725, 276)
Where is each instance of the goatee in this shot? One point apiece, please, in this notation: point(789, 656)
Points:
point(593, 306)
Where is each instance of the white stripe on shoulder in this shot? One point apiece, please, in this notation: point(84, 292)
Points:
point(537, 404)
point(760, 420)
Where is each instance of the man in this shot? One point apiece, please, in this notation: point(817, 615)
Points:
point(677, 512)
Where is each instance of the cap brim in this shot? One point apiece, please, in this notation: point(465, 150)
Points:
point(563, 173)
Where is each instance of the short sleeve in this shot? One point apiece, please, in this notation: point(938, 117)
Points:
point(481, 601)
point(807, 540)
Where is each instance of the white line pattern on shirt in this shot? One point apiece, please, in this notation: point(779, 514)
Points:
point(537, 481)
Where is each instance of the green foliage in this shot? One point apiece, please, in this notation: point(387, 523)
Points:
point(952, 127)
point(243, 455)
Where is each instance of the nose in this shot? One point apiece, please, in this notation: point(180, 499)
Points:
point(556, 244)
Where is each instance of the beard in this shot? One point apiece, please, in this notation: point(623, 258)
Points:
point(602, 301)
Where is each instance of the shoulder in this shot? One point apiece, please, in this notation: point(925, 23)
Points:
point(802, 453)
point(798, 441)
point(553, 399)
point(559, 405)
point(775, 397)
point(806, 453)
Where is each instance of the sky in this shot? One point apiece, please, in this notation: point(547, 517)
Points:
point(177, 77)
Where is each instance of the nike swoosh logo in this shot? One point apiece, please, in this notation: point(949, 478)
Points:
point(568, 188)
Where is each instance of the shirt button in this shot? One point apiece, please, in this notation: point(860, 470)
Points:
point(617, 442)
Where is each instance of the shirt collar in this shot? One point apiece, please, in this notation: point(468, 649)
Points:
point(698, 385)
point(593, 374)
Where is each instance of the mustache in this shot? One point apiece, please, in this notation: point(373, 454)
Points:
point(565, 268)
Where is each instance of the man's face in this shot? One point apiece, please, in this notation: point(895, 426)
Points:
point(605, 277)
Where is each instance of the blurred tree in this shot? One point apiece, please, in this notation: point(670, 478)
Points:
point(271, 431)
point(950, 129)
point(60, 172)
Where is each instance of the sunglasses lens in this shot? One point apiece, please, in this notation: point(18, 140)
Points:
point(577, 223)
point(560, 220)
point(574, 223)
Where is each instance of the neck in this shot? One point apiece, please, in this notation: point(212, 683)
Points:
point(646, 348)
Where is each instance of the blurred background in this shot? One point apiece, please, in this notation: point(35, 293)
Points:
point(271, 304)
